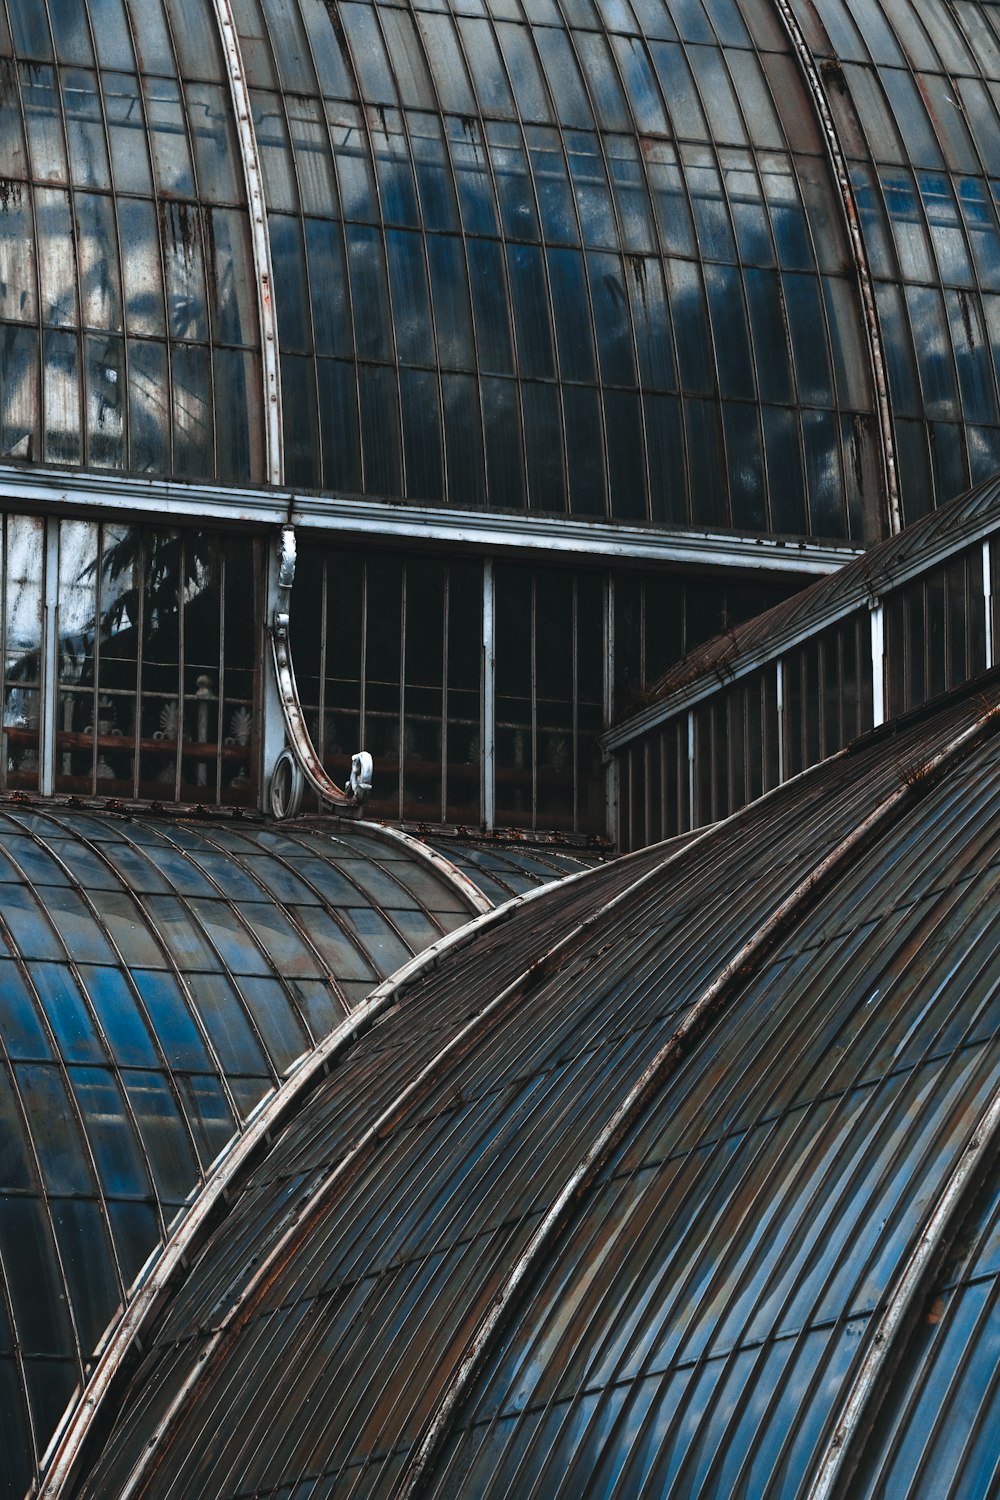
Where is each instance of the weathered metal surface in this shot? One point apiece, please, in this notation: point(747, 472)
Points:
point(756, 1201)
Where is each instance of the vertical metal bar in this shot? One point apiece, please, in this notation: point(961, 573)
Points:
point(181, 703)
point(323, 634)
point(692, 780)
point(534, 700)
point(988, 601)
point(446, 614)
point(363, 697)
point(49, 684)
point(779, 677)
point(575, 714)
point(140, 594)
point(220, 693)
point(239, 92)
point(878, 665)
point(489, 698)
point(402, 690)
point(272, 729)
point(613, 765)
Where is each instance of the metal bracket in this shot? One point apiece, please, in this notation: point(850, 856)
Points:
point(298, 765)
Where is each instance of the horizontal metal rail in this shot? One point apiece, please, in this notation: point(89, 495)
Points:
point(384, 522)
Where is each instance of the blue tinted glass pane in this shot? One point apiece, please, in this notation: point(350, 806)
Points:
point(514, 187)
point(531, 314)
point(774, 372)
point(421, 409)
point(565, 82)
point(226, 1023)
point(785, 480)
point(729, 321)
point(569, 296)
point(31, 933)
point(678, 90)
point(937, 375)
point(687, 306)
point(15, 1151)
point(808, 333)
point(898, 349)
point(120, 1163)
point(55, 1129)
point(165, 1140)
point(543, 446)
point(464, 449)
point(449, 290)
point(291, 295)
point(118, 1013)
point(476, 198)
point(171, 1019)
point(946, 231)
point(611, 319)
point(951, 474)
point(380, 446)
point(820, 431)
point(411, 304)
point(641, 86)
point(651, 318)
point(744, 465)
point(34, 1278)
point(67, 1014)
point(590, 184)
point(88, 1265)
point(209, 1114)
point(704, 440)
point(433, 169)
point(625, 455)
point(490, 306)
point(23, 1033)
point(555, 197)
point(369, 292)
point(664, 437)
point(582, 409)
point(504, 459)
point(338, 412)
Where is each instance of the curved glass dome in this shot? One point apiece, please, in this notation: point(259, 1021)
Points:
point(158, 979)
point(587, 258)
point(686, 1179)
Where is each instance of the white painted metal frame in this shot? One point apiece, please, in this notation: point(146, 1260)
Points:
point(488, 769)
point(260, 243)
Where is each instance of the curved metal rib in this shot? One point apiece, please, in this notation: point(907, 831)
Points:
point(299, 763)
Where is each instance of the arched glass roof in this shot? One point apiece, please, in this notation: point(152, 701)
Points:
point(655, 1198)
point(158, 979)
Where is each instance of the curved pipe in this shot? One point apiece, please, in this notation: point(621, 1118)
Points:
point(301, 754)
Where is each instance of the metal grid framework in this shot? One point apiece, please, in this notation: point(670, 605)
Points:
point(159, 980)
point(481, 688)
point(633, 1221)
point(911, 619)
